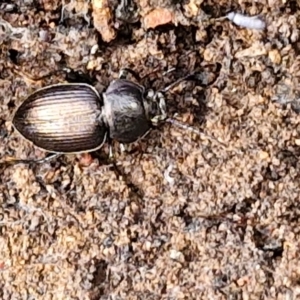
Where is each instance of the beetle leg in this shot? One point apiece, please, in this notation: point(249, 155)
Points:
point(111, 154)
point(169, 71)
point(71, 75)
point(170, 86)
point(122, 147)
point(33, 78)
point(122, 9)
point(47, 158)
point(30, 161)
point(77, 77)
point(20, 72)
point(123, 74)
point(192, 76)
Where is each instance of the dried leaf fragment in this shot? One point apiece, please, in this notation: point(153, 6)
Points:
point(157, 17)
point(256, 49)
point(102, 17)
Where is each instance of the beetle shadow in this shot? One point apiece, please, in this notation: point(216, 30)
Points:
point(105, 160)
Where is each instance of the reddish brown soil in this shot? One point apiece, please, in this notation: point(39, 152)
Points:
point(187, 216)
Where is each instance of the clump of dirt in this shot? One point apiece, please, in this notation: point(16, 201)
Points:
point(181, 215)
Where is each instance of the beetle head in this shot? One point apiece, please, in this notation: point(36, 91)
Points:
point(155, 107)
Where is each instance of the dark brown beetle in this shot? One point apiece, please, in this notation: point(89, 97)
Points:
point(74, 117)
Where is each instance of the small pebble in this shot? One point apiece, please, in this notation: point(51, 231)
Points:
point(250, 22)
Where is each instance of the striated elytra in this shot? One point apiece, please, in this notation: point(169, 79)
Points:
point(74, 117)
point(62, 118)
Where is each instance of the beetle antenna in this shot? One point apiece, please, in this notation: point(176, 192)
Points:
point(170, 86)
point(192, 129)
point(123, 74)
point(159, 96)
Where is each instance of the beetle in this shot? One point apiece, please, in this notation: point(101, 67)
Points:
point(75, 117)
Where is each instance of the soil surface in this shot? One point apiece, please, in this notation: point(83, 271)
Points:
point(181, 215)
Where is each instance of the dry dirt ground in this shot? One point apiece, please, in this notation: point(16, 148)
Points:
point(187, 216)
